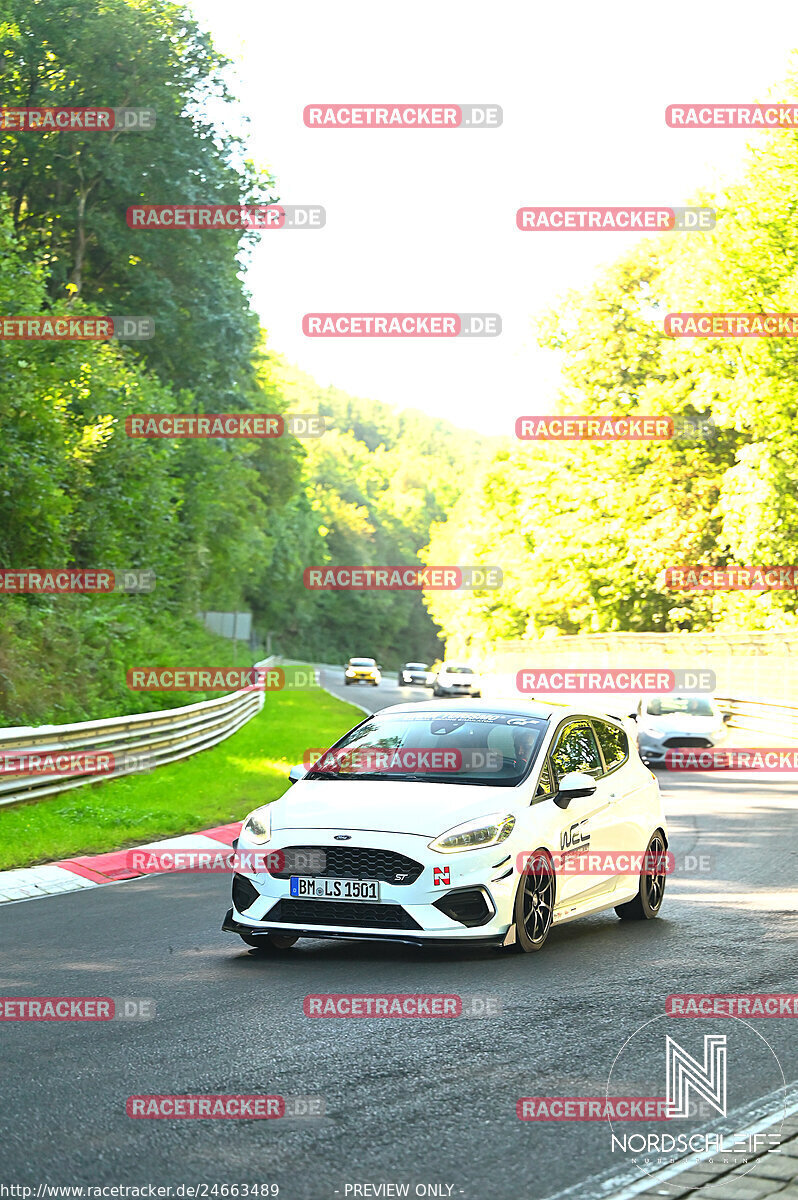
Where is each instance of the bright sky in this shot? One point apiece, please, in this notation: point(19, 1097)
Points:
point(424, 220)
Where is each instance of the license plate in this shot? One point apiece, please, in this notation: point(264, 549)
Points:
point(313, 887)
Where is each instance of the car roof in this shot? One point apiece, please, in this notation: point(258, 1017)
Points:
point(510, 708)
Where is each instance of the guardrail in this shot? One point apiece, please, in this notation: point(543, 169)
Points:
point(760, 716)
point(137, 742)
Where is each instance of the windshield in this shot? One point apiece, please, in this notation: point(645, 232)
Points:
point(498, 749)
point(416, 666)
point(362, 662)
point(694, 706)
point(450, 670)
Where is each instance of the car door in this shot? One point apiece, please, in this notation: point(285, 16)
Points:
point(627, 817)
point(588, 823)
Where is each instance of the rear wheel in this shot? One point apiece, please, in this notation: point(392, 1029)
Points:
point(648, 901)
point(270, 941)
point(534, 904)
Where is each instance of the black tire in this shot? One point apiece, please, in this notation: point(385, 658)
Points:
point(270, 941)
point(534, 904)
point(646, 904)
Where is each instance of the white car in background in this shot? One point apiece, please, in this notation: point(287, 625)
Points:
point(456, 679)
point(487, 850)
point(672, 722)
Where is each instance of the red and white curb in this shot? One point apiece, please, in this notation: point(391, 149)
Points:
point(86, 871)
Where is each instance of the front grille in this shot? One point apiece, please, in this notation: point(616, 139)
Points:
point(468, 906)
point(341, 912)
point(351, 862)
point(244, 894)
point(683, 743)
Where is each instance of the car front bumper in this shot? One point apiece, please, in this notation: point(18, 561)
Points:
point(409, 912)
point(654, 748)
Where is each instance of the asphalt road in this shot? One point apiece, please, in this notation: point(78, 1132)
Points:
point(417, 1102)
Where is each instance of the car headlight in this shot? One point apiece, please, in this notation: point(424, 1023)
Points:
point(474, 835)
point(258, 826)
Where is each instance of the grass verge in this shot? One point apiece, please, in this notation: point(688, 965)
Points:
point(211, 788)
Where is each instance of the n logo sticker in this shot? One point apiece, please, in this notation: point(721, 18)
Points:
point(440, 875)
point(686, 1074)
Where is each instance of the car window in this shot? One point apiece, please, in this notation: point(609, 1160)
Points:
point(488, 749)
point(545, 786)
point(576, 750)
point(694, 706)
point(613, 741)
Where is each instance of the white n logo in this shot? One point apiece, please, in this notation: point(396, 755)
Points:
point(684, 1074)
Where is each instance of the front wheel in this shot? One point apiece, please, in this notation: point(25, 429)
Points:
point(270, 941)
point(534, 904)
point(648, 901)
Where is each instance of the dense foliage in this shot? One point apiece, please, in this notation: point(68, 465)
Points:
point(586, 530)
point(225, 523)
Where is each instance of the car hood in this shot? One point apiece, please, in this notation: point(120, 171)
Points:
point(685, 723)
point(388, 806)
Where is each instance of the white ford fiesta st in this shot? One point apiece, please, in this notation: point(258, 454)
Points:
point(437, 823)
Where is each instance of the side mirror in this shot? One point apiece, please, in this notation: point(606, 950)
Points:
point(572, 786)
point(633, 715)
point(297, 773)
point(727, 718)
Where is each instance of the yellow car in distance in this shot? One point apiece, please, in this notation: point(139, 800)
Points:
point(362, 670)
